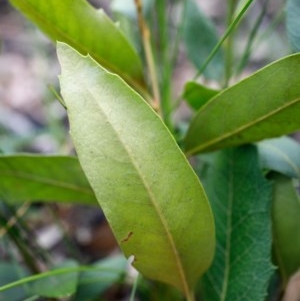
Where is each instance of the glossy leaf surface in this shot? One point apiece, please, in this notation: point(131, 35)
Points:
point(200, 37)
point(286, 225)
point(281, 155)
point(241, 201)
point(151, 197)
point(293, 23)
point(44, 178)
point(88, 30)
point(264, 105)
point(198, 95)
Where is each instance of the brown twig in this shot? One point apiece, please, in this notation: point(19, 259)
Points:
point(146, 39)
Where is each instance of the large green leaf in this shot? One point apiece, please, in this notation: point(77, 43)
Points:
point(286, 225)
point(151, 197)
point(280, 154)
point(89, 31)
point(241, 201)
point(44, 178)
point(200, 37)
point(293, 23)
point(264, 105)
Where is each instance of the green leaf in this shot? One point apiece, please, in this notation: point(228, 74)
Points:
point(44, 178)
point(241, 201)
point(57, 286)
point(286, 225)
point(264, 105)
point(198, 95)
point(149, 193)
point(280, 154)
point(200, 37)
point(106, 273)
point(88, 31)
point(10, 272)
point(293, 23)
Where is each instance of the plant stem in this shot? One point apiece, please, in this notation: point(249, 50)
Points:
point(13, 220)
point(274, 22)
point(253, 34)
point(146, 39)
point(165, 62)
point(224, 37)
point(14, 235)
point(229, 43)
point(134, 288)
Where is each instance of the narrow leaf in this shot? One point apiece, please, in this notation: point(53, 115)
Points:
point(89, 31)
point(57, 286)
point(264, 105)
point(200, 37)
point(281, 155)
point(293, 23)
point(241, 201)
point(286, 225)
point(198, 95)
point(44, 178)
point(150, 195)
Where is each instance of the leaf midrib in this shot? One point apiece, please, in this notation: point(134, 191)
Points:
point(228, 233)
point(44, 180)
point(239, 129)
point(161, 218)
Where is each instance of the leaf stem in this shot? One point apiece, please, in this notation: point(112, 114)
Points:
point(145, 34)
point(224, 37)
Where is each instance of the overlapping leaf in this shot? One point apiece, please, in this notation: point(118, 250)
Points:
point(44, 178)
point(151, 197)
point(293, 23)
point(286, 224)
point(89, 31)
point(281, 155)
point(241, 201)
point(265, 105)
point(198, 95)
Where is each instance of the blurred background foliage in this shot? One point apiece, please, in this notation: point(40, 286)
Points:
point(44, 236)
